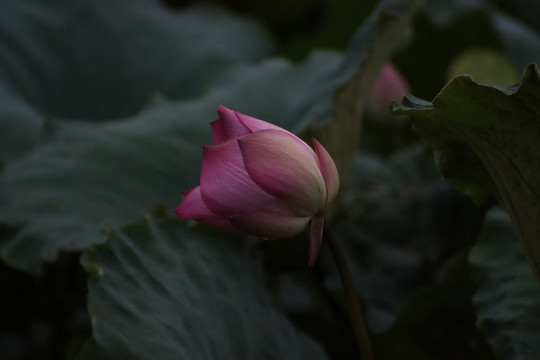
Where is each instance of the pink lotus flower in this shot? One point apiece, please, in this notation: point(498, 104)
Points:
point(261, 179)
point(389, 86)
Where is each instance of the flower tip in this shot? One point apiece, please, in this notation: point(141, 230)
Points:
point(186, 192)
point(221, 108)
point(178, 212)
point(224, 111)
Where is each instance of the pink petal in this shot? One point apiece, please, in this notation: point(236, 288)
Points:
point(193, 207)
point(315, 238)
point(389, 86)
point(227, 126)
point(285, 167)
point(219, 134)
point(255, 124)
point(269, 225)
point(328, 170)
point(232, 124)
point(226, 187)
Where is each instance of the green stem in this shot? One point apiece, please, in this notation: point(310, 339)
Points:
point(355, 313)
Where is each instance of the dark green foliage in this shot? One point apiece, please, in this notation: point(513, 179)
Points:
point(485, 141)
point(507, 297)
point(160, 291)
point(105, 107)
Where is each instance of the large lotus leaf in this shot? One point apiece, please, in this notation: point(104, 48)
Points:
point(89, 173)
point(487, 140)
point(22, 125)
point(160, 291)
point(104, 59)
point(86, 173)
point(507, 297)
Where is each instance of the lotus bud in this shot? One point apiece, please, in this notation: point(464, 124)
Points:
point(389, 86)
point(261, 179)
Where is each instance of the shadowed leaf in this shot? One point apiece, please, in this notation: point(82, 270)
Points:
point(159, 291)
point(486, 141)
point(507, 297)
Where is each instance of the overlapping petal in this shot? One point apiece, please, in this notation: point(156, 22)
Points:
point(193, 207)
point(254, 124)
point(285, 167)
point(232, 124)
point(328, 170)
point(270, 225)
point(227, 126)
point(226, 187)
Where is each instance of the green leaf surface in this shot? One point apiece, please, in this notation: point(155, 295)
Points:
point(159, 291)
point(22, 126)
point(105, 59)
point(486, 141)
point(507, 297)
point(86, 174)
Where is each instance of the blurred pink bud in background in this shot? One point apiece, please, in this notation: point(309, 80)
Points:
point(389, 86)
point(261, 179)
